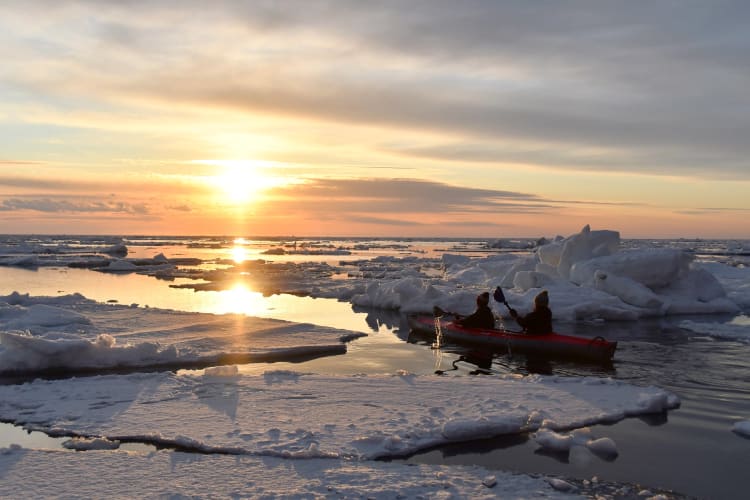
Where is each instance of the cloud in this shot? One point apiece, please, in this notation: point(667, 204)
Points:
point(656, 92)
point(714, 211)
point(67, 206)
point(400, 196)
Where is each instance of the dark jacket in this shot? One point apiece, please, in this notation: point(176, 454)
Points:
point(537, 322)
point(481, 318)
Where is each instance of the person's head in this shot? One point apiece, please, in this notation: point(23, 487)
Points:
point(541, 300)
point(483, 299)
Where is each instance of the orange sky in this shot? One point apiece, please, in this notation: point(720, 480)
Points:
point(370, 120)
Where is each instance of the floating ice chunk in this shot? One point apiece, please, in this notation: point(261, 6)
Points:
point(161, 259)
point(452, 260)
point(734, 279)
point(221, 371)
point(29, 261)
point(85, 444)
point(550, 254)
point(555, 441)
point(523, 264)
point(734, 330)
point(561, 485)
point(651, 402)
point(489, 481)
point(525, 280)
point(586, 245)
point(651, 267)
point(697, 284)
point(604, 448)
point(117, 250)
point(627, 290)
point(120, 265)
point(742, 428)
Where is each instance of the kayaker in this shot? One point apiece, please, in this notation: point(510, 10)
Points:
point(538, 321)
point(482, 317)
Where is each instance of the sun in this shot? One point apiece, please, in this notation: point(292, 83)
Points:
point(243, 182)
point(240, 183)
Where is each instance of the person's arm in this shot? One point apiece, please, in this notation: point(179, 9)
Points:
point(519, 319)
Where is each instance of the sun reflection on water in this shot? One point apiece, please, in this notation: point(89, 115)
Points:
point(239, 254)
point(239, 299)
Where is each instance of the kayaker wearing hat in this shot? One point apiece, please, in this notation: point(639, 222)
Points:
point(538, 321)
point(482, 317)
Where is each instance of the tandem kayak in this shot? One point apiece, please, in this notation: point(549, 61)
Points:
point(550, 345)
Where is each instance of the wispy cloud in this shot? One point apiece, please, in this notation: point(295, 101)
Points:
point(67, 206)
point(567, 77)
point(399, 196)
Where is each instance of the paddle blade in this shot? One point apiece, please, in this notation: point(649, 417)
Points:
point(499, 295)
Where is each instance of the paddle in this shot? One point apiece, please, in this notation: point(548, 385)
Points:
point(499, 296)
point(439, 313)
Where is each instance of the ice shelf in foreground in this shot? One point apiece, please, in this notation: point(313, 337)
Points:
point(119, 474)
point(296, 415)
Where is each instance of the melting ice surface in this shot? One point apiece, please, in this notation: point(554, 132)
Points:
point(333, 421)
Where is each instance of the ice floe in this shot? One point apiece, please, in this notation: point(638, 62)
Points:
point(591, 275)
point(742, 428)
point(167, 474)
point(71, 332)
point(737, 329)
point(297, 415)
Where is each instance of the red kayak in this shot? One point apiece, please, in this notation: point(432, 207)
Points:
point(551, 345)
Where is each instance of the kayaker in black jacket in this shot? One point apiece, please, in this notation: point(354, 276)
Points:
point(538, 321)
point(482, 317)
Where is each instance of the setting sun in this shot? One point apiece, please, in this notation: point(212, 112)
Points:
point(242, 181)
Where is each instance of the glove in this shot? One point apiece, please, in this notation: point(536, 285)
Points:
point(513, 312)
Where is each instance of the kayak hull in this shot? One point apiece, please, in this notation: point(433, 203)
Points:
point(551, 345)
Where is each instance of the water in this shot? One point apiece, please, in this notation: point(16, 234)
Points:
point(690, 450)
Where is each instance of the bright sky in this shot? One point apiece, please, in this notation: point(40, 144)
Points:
point(390, 118)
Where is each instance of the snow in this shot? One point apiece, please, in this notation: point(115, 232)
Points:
point(168, 474)
point(71, 332)
point(260, 414)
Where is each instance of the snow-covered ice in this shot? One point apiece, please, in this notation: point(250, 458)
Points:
point(292, 414)
point(71, 332)
point(738, 329)
point(590, 276)
point(165, 474)
point(306, 434)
